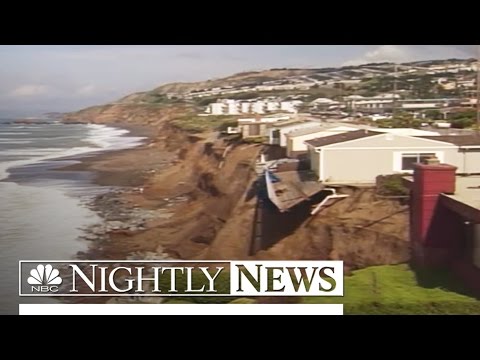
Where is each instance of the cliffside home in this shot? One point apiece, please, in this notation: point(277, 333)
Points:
point(258, 126)
point(297, 148)
point(278, 131)
point(360, 156)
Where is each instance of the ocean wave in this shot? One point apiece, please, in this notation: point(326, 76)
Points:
point(101, 136)
point(14, 142)
point(110, 138)
point(32, 151)
point(14, 133)
point(27, 127)
point(44, 157)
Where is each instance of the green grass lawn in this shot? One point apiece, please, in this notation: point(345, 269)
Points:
point(396, 289)
point(199, 124)
point(387, 290)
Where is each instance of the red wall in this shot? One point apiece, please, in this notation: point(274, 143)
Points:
point(439, 234)
point(434, 228)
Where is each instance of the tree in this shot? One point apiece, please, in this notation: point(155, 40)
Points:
point(433, 114)
point(401, 120)
point(470, 114)
point(462, 123)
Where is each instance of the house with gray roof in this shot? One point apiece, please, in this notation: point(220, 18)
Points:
point(360, 156)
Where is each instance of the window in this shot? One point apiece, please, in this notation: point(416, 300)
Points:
point(409, 159)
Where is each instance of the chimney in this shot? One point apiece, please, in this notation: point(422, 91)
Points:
point(429, 222)
point(432, 161)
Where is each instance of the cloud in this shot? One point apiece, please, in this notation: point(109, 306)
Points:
point(69, 77)
point(190, 55)
point(30, 90)
point(86, 90)
point(407, 53)
point(383, 53)
point(469, 50)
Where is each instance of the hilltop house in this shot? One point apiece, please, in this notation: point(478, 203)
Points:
point(235, 107)
point(360, 156)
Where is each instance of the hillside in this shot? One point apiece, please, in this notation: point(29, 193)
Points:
point(417, 78)
point(240, 79)
point(189, 193)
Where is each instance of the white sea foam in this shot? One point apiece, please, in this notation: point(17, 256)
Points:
point(37, 159)
point(14, 142)
point(108, 138)
point(10, 133)
point(45, 221)
point(103, 137)
point(31, 152)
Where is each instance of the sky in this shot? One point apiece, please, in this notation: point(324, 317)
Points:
point(39, 78)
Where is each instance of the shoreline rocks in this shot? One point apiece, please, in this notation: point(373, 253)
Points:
point(122, 217)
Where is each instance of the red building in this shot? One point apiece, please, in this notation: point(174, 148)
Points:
point(445, 221)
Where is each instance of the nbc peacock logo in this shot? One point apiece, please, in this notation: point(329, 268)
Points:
point(44, 279)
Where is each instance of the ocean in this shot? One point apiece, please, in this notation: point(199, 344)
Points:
point(43, 211)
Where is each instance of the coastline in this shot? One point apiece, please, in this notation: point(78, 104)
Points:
point(189, 197)
point(192, 197)
point(125, 213)
point(172, 197)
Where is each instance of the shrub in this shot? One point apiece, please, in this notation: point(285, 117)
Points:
point(198, 124)
point(391, 185)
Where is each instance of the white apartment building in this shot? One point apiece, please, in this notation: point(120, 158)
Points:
point(217, 108)
point(232, 108)
point(246, 107)
point(290, 106)
point(273, 106)
point(258, 107)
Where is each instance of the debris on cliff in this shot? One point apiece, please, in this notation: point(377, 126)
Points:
point(218, 217)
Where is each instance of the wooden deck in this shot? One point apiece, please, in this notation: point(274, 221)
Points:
point(289, 188)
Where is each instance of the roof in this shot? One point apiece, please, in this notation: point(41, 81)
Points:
point(339, 138)
point(290, 122)
point(289, 188)
point(325, 100)
point(466, 200)
point(409, 132)
point(459, 140)
point(319, 129)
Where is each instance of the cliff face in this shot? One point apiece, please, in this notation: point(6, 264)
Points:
point(218, 219)
point(362, 230)
point(222, 215)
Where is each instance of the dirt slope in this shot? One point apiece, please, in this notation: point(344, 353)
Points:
point(217, 218)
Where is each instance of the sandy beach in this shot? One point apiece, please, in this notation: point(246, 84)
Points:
point(165, 199)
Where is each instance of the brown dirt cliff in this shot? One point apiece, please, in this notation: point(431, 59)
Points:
point(217, 179)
